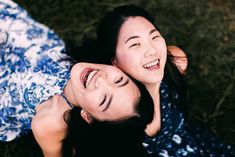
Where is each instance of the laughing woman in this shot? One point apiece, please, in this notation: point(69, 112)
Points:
point(128, 38)
point(38, 84)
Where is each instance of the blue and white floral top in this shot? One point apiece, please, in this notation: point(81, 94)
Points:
point(31, 68)
point(178, 138)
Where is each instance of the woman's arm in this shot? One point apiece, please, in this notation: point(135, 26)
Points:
point(179, 58)
point(33, 70)
point(48, 138)
point(49, 127)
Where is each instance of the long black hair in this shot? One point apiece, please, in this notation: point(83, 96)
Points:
point(107, 35)
point(119, 138)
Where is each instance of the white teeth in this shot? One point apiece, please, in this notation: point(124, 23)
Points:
point(90, 76)
point(153, 63)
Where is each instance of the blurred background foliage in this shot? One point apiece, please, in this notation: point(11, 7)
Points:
point(204, 29)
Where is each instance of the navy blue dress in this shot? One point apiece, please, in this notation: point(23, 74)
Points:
point(178, 138)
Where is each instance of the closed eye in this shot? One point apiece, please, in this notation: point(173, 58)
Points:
point(119, 80)
point(135, 45)
point(108, 99)
point(124, 83)
point(103, 101)
point(108, 103)
point(155, 37)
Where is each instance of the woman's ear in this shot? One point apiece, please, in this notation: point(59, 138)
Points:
point(86, 116)
point(114, 62)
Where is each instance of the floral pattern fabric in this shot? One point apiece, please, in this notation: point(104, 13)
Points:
point(178, 138)
point(32, 68)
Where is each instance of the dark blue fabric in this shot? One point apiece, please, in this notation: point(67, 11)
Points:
point(178, 138)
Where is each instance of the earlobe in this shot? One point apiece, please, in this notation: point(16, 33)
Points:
point(86, 116)
point(114, 62)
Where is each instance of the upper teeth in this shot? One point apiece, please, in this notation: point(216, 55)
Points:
point(152, 63)
point(90, 76)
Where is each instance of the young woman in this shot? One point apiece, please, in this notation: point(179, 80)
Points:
point(128, 38)
point(37, 87)
point(120, 137)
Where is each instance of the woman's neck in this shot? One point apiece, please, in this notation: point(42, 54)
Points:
point(153, 89)
point(155, 125)
point(68, 92)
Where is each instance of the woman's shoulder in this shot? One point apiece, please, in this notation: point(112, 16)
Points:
point(179, 58)
point(48, 125)
point(50, 114)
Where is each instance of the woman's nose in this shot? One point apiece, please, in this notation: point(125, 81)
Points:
point(102, 81)
point(150, 49)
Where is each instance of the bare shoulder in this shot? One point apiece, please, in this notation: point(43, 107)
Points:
point(49, 128)
point(49, 117)
point(179, 57)
point(45, 125)
point(49, 135)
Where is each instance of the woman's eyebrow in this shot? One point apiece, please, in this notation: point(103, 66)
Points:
point(152, 31)
point(132, 37)
point(111, 97)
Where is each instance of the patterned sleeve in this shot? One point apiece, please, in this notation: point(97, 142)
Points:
point(31, 68)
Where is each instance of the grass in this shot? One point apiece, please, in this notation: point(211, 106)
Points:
point(204, 29)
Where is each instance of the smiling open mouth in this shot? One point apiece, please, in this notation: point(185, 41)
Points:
point(87, 75)
point(152, 64)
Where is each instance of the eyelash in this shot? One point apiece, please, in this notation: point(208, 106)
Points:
point(103, 101)
point(136, 44)
point(155, 37)
point(119, 80)
point(105, 96)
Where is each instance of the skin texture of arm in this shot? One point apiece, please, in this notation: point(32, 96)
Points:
point(48, 126)
point(180, 58)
